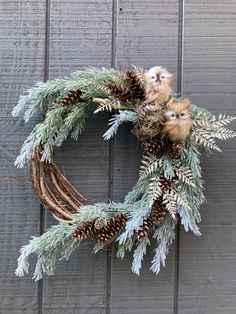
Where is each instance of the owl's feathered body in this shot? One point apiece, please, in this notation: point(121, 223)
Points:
point(158, 87)
point(178, 120)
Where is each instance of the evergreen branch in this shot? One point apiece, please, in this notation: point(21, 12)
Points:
point(41, 95)
point(127, 246)
point(138, 212)
point(165, 235)
point(137, 191)
point(46, 248)
point(138, 255)
point(167, 167)
point(117, 120)
point(188, 220)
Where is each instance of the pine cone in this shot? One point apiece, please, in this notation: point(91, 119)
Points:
point(85, 231)
point(112, 228)
point(172, 149)
point(143, 230)
point(166, 184)
point(73, 97)
point(156, 217)
point(158, 212)
point(137, 87)
point(119, 91)
point(153, 146)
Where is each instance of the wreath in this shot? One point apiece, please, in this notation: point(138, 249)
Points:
point(173, 133)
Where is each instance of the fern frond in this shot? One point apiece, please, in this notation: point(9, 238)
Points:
point(103, 107)
point(150, 165)
point(224, 120)
point(203, 139)
point(140, 73)
point(173, 197)
point(154, 190)
point(184, 174)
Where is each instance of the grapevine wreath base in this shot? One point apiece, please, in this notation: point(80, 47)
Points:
point(173, 133)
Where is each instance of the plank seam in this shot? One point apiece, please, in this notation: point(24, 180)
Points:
point(111, 148)
point(46, 76)
point(180, 93)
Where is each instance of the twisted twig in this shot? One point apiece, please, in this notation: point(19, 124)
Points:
point(54, 191)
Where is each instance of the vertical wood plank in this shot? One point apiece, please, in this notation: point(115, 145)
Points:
point(207, 274)
point(21, 64)
point(81, 35)
point(147, 36)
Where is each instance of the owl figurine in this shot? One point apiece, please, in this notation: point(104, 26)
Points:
point(158, 87)
point(178, 120)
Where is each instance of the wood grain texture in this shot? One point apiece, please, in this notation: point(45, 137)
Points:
point(21, 64)
point(80, 35)
point(147, 36)
point(207, 280)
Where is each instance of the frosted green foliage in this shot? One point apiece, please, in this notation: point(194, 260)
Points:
point(91, 80)
point(137, 213)
point(53, 131)
point(44, 133)
point(98, 75)
point(138, 255)
point(127, 247)
point(58, 239)
point(61, 121)
point(182, 195)
point(46, 247)
point(167, 167)
point(40, 96)
point(139, 189)
point(164, 235)
point(188, 220)
point(117, 120)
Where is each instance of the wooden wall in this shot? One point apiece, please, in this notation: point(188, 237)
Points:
point(45, 39)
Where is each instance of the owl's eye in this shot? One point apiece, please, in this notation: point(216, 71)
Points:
point(153, 77)
point(182, 114)
point(172, 115)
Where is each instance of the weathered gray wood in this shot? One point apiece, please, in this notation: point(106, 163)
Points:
point(147, 36)
point(80, 35)
point(207, 274)
point(21, 64)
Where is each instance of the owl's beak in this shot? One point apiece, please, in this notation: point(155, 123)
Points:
point(177, 115)
point(158, 78)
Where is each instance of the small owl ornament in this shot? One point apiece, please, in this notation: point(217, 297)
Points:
point(178, 121)
point(158, 87)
